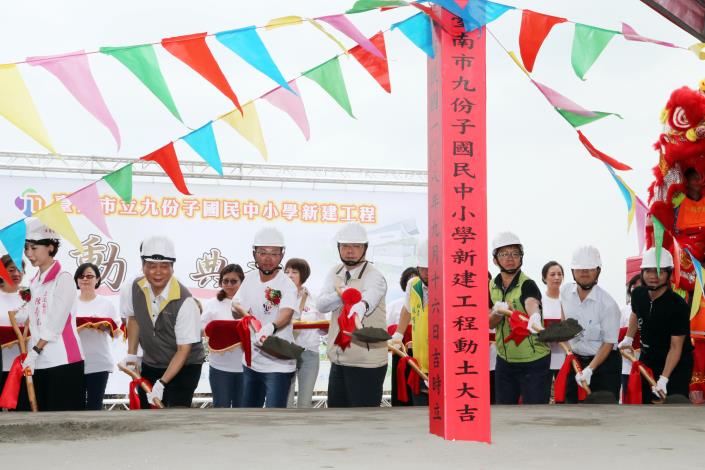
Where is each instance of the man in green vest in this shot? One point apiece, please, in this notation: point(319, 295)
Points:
point(523, 363)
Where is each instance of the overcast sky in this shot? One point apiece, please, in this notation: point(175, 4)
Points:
point(542, 184)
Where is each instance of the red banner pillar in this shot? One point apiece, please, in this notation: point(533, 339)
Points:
point(459, 389)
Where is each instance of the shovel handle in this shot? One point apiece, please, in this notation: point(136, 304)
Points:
point(147, 388)
point(413, 365)
point(22, 343)
point(644, 373)
point(576, 366)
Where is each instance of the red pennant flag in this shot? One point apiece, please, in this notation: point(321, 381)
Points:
point(376, 66)
point(5, 275)
point(534, 29)
point(617, 165)
point(165, 157)
point(193, 51)
point(446, 25)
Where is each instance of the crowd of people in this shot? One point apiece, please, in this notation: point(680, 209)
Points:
point(165, 328)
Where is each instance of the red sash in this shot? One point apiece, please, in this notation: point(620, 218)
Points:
point(633, 395)
point(243, 330)
point(559, 385)
point(413, 381)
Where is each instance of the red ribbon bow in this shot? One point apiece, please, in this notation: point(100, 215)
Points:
point(243, 329)
point(413, 381)
point(519, 326)
point(562, 380)
point(11, 390)
point(633, 395)
point(349, 297)
point(135, 403)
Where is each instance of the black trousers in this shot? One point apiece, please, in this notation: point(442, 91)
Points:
point(178, 392)
point(607, 377)
point(60, 388)
point(355, 386)
point(529, 380)
point(94, 389)
point(678, 382)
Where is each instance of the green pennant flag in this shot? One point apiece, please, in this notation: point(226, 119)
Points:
point(142, 61)
point(330, 77)
point(367, 5)
point(577, 120)
point(658, 241)
point(121, 182)
point(588, 44)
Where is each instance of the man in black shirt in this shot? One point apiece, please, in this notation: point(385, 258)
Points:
point(663, 320)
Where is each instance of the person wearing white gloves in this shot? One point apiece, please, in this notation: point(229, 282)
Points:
point(599, 315)
point(522, 370)
point(55, 355)
point(357, 371)
point(164, 319)
point(270, 296)
point(663, 320)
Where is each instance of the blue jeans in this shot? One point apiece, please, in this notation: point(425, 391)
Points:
point(226, 388)
point(270, 389)
point(94, 385)
point(306, 374)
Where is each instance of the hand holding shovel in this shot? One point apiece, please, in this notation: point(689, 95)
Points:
point(22, 343)
point(146, 387)
point(628, 353)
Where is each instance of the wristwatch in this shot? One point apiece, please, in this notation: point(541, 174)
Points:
point(36, 349)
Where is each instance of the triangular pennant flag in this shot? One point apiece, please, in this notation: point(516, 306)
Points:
point(617, 165)
point(292, 105)
point(345, 26)
point(284, 21)
point(121, 182)
point(248, 126)
point(534, 30)
point(87, 201)
point(142, 62)
point(445, 23)
point(417, 29)
point(453, 7)
point(17, 106)
point(377, 66)
point(54, 217)
point(367, 5)
point(248, 45)
point(627, 194)
point(630, 34)
point(482, 12)
point(320, 27)
point(193, 51)
point(577, 120)
point(13, 238)
point(641, 213)
point(698, 49)
point(698, 268)
point(4, 275)
point(202, 141)
point(559, 101)
point(588, 44)
point(330, 77)
point(165, 157)
point(74, 72)
point(659, 230)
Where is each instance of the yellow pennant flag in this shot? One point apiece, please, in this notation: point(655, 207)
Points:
point(283, 21)
point(517, 62)
point(320, 27)
point(247, 124)
point(697, 49)
point(54, 217)
point(17, 106)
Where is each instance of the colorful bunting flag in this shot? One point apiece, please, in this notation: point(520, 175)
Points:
point(74, 72)
point(202, 141)
point(376, 65)
point(559, 101)
point(193, 51)
point(165, 157)
point(87, 201)
point(630, 34)
point(320, 27)
point(247, 44)
point(121, 182)
point(453, 7)
point(445, 23)
point(330, 77)
point(577, 120)
point(345, 26)
point(367, 5)
point(588, 44)
point(13, 238)
point(17, 106)
point(698, 268)
point(417, 29)
point(54, 217)
point(641, 213)
point(248, 126)
point(617, 165)
point(628, 194)
point(291, 104)
point(283, 21)
point(142, 61)
point(659, 230)
point(482, 12)
point(698, 49)
point(534, 30)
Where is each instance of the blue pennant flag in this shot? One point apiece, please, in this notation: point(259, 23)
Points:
point(418, 29)
point(248, 45)
point(202, 141)
point(482, 12)
point(13, 237)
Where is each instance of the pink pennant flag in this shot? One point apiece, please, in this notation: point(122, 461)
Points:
point(345, 26)
point(561, 102)
point(87, 201)
point(73, 70)
point(640, 213)
point(291, 104)
point(630, 34)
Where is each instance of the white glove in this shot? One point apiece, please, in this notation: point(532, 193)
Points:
point(660, 386)
point(30, 361)
point(157, 392)
point(267, 330)
point(397, 340)
point(534, 324)
point(133, 362)
point(586, 375)
point(626, 342)
point(360, 308)
point(499, 305)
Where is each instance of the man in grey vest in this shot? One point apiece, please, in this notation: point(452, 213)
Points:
point(165, 321)
point(357, 369)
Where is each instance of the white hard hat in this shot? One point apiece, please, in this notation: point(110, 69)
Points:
point(504, 239)
point(649, 259)
point(351, 233)
point(158, 249)
point(269, 236)
point(586, 257)
point(36, 230)
point(422, 253)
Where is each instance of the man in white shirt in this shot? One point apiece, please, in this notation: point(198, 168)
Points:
point(164, 320)
point(599, 315)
